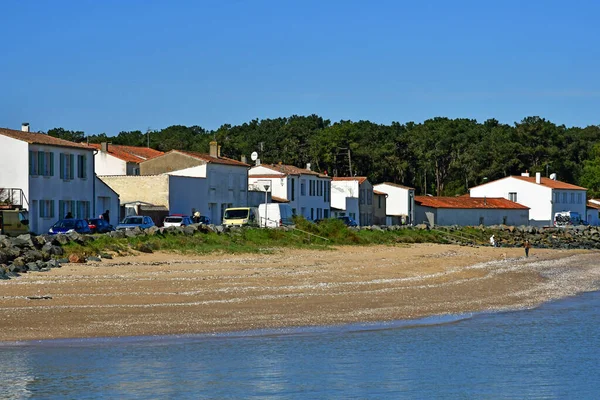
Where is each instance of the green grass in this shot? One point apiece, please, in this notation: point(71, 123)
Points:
point(255, 240)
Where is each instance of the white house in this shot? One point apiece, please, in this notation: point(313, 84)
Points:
point(225, 185)
point(543, 196)
point(469, 211)
point(358, 187)
point(400, 202)
point(112, 159)
point(55, 176)
point(308, 192)
point(107, 199)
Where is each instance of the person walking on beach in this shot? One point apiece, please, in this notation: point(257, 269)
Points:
point(527, 246)
point(106, 216)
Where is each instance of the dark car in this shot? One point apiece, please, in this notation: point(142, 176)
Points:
point(135, 221)
point(348, 221)
point(99, 225)
point(70, 225)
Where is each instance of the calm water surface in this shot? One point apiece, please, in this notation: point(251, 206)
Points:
point(552, 352)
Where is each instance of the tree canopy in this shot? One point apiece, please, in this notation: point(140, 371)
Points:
point(440, 156)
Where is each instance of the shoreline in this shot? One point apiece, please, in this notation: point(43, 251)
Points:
point(165, 294)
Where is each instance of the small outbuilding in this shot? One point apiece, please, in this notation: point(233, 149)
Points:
point(469, 211)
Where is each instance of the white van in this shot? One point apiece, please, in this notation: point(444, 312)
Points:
point(274, 215)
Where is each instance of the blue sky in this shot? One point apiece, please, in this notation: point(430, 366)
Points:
point(108, 66)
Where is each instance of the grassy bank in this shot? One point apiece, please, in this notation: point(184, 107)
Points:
point(255, 240)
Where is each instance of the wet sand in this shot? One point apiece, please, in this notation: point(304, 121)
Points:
point(165, 293)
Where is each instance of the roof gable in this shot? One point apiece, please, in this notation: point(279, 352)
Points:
point(359, 179)
point(41, 138)
point(468, 202)
point(545, 182)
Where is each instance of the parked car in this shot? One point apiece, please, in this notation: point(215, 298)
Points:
point(69, 225)
point(135, 221)
point(99, 225)
point(241, 216)
point(348, 221)
point(273, 215)
point(177, 220)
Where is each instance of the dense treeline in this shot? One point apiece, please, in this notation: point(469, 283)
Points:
point(440, 156)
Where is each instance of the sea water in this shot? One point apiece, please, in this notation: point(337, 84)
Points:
point(551, 352)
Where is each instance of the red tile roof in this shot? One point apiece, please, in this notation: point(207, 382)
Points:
point(468, 202)
point(593, 205)
point(360, 179)
point(379, 193)
point(130, 153)
point(210, 159)
point(279, 199)
point(289, 169)
point(396, 185)
point(41, 138)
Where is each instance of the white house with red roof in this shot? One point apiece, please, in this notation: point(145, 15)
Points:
point(308, 192)
point(346, 189)
point(543, 196)
point(400, 202)
point(52, 175)
point(469, 211)
point(593, 212)
point(114, 159)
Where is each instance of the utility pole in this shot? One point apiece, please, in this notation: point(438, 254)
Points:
point(349, 161)
point(148, 137)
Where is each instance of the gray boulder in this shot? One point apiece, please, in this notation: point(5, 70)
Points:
point(189, 230)
point(52, 250)
point(23, 241)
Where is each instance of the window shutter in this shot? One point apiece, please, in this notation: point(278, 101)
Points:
point(51, 164)
point(71, 166)
point(83, 166)
point(40, 163)
point(62, 166)
point(31, 166)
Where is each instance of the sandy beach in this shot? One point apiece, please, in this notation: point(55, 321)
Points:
point(165, 293)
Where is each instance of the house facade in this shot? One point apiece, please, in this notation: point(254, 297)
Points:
point(107, 200)
point(55, 176)
point(225, 185)
point(379, 208)
point(543, 196)
point(358, 187)
point(469, 211)
point(308, 192)
point(174, 194)
point(111, 159)
point(400, 202)
point(593, 212)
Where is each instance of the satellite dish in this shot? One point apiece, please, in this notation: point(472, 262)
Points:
point(553, 177)
point(254, 156)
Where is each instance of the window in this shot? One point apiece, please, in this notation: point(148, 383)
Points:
point(579, 197)
point(47, 208)
point(564, 198)
point(379, 200)
point(65, 207)
point(572, 198)
point(512, 196)
point(312, 213)
point(81, 166)
point(67, 166)
point(293, 184)
point(326, 213)
point(361, 196)
point(556, 198)
point(41, 163)
point(303, 187)
point(319, 213)
point(83, 209)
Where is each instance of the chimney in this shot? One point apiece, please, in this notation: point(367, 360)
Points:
point(526, 173)
point(538, 177)
point(104, 147)
point(25, 127)
point(308, 166)
point(218, 151)
point(213, 149)
point(243, 159)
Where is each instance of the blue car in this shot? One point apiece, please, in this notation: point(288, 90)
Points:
point(70, 225)
point(135, 221)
